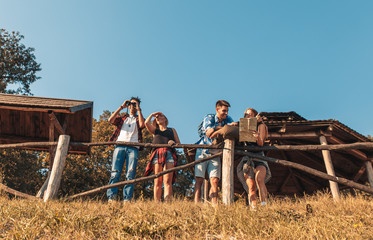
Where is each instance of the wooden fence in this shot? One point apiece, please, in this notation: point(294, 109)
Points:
point(51, 186)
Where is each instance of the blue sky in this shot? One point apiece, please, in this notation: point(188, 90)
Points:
point(312, 57)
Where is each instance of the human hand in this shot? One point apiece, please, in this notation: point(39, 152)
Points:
point(125, 104)
point(233, 124)
point(156, 114)
point(254, 133)
point(171, 142)
point(209, 132)
point(136, 106)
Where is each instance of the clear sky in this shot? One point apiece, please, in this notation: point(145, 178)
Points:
point(312, 57)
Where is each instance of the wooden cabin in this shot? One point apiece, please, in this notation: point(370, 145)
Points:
point(289, 128)
point(39, 119)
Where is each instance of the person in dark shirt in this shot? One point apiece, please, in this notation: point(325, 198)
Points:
point(257, 178)
point(162, 158)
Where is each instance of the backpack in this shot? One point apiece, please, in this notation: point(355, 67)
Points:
point(201, 133)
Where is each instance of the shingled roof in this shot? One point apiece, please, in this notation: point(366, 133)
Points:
point(33, 119)
point(43, 104)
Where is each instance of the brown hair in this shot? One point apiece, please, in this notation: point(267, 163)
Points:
point(155, 124)
point(253, 110)
point(220, 103)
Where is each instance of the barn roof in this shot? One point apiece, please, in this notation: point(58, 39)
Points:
point(39, 119)
point(32, 103)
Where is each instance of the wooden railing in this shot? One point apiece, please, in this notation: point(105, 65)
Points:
point(228, 151)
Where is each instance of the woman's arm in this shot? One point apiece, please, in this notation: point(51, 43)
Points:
point(177, 140)
point(148, 123)
point(262, 134)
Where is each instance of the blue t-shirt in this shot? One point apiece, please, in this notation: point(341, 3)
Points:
point(211, 121)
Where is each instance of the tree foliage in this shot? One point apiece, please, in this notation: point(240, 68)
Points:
point(17, 64)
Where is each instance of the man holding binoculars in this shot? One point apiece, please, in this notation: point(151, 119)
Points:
point(128, 129)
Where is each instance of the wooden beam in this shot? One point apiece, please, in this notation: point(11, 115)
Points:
point(330, 169)
point(368, 165)
point(354, 152)
point(56, 123)
point(59, 163)
point(227, 172)
point(360, 173)
point(278, 135)
point(289, 135)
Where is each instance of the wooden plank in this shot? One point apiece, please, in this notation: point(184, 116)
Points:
point(59, 163)
point(227, 172)
point(329, 169)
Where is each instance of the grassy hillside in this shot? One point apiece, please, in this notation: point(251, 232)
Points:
point(316, 217)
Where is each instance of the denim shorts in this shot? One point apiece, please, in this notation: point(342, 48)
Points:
point(169, 158)
point(213, 166)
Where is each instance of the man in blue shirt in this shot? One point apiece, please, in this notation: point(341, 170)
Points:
point(210, 124)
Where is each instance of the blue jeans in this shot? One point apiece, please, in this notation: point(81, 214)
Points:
point(121, 154)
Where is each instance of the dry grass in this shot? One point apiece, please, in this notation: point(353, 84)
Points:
point(351, 218)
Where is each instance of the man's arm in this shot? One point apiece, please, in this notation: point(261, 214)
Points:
point(141, 117)
point(115, 114)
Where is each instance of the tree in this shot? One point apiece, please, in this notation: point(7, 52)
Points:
point(17, 64)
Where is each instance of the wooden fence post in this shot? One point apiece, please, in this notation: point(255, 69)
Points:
point(368, 165)
point(57, 169)
point(329, 169)
point(227, 172)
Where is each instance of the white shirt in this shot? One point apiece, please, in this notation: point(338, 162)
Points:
point(129, 131)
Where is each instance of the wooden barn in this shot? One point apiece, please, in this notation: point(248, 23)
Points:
point(38, 119)
point(289, 128)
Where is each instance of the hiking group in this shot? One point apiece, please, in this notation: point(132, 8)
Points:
point(254, 172)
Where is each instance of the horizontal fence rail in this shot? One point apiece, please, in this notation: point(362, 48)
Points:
point(363, 145)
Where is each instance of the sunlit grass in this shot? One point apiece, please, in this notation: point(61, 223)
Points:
point(310, 217)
